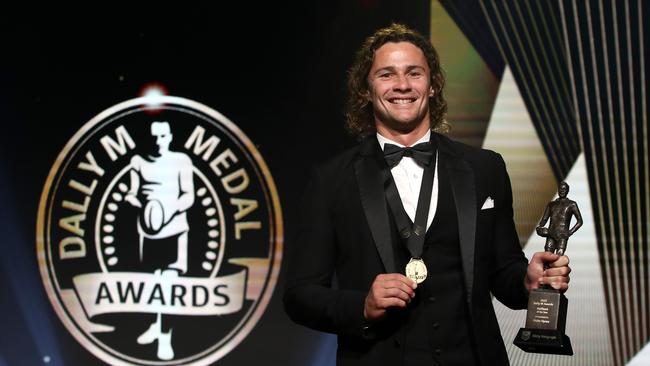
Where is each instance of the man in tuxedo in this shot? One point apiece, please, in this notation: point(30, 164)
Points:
point(364, 218)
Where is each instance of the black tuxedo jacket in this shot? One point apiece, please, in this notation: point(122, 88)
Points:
point(345, 241)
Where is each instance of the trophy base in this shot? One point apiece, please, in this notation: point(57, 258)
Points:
point(543, 341)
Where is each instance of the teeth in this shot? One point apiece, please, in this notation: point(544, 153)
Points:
point(402, 101)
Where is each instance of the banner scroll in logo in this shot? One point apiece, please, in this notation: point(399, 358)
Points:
point(133, 292)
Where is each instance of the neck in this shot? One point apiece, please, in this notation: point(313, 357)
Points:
point(406, 138)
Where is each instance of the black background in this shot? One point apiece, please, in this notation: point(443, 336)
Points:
point(275, 69)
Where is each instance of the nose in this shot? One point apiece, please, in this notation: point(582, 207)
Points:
point(402, 83)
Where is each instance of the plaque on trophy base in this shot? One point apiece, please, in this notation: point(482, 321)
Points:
point(545, 322)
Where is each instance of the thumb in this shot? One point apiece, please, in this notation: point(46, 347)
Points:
point(543, 257)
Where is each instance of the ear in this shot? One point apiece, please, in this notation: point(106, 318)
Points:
point(431, 92)
point(365, 95)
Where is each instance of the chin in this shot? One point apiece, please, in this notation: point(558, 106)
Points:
point(406, 126)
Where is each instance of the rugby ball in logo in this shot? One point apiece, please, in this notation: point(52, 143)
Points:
point(154, 215)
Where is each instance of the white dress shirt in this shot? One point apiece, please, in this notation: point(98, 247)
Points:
point(407, 175)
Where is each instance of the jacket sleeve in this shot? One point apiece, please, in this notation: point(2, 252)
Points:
point(311, 297)
point(508, 269)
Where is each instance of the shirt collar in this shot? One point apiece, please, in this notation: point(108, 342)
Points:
point(383, 140)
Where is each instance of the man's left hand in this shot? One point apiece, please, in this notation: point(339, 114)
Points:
point(557, 275)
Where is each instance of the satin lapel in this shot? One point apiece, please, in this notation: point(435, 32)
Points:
point(461, 177)
point(370, 178)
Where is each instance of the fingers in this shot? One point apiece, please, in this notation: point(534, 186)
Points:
point(398, 285)
point(557, 271)
point(396, 293)
point(386, 303)
point(388, 290)
point(560, 262)
point(553, 260)
point(544, 257)
point(557, 275)
point(557, 282)
point(385, 277)
point(393, 285)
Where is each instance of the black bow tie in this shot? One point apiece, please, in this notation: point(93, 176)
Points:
point(421, 152)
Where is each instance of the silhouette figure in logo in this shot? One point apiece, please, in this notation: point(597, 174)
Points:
point(560, 212)
point(162, 187)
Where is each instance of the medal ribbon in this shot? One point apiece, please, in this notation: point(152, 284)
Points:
point(414, 233)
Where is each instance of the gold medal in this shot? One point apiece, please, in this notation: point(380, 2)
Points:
point(416, 270)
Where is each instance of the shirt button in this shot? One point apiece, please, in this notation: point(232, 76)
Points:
point(432, 299)
point(436, 325)
point(438, 351)
point(397, 343)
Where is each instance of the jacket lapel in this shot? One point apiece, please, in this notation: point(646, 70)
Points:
point(371, 172)
point(461, 177)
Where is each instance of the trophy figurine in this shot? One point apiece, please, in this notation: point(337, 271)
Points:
point(547, 307)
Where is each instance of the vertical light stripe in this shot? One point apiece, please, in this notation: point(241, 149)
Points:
point(637, 223)
point(554, 158)
point(557, 31)
point(613, 316)
point(565, 161)
point(557, 122)
point(646, 178)
point(624, 237)
point(558, 66)
point(620, 289)
point(634, 243)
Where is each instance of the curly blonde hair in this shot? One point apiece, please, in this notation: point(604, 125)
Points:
point(359, 112)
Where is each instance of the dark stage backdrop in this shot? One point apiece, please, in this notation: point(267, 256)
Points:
point(255, 96)
point(275, 70)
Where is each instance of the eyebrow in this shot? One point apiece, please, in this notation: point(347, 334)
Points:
point(394, 68)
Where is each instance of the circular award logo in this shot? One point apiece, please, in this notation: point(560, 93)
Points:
point(159, 234)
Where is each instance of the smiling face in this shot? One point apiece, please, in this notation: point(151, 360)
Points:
point(399, 88)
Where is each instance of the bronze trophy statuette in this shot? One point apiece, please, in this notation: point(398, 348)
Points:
point(547, 307)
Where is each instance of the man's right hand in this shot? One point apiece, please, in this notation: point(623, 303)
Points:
point(388, 290)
